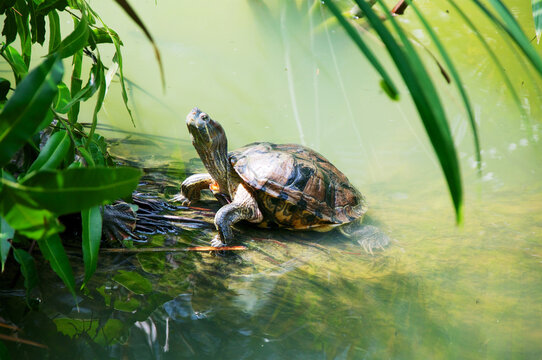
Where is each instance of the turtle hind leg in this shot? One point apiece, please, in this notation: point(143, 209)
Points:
point(369, 237)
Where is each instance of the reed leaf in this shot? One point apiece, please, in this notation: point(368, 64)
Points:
point(388, 85)
point(537, 16)
point(512, 28)
point(492, 55)
point(457, 81)
point(425, 98)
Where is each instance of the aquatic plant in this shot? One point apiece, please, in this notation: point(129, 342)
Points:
point(49, 165)
point(416, 75)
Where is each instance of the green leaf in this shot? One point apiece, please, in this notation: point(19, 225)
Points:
point(63, 97)
point(92, 235)
point(23, 29)
point(389, 86)
point(54, 252)
point(425, 98)
point(15, 60)
point(74, 41)
point(37, 22)
point(4, 352)
point(513, 29)
point(499, 67)
point(103, 35)
point(53, 153)
point(75, 86)
point(54, 30)
point(457, 81)
point(4, 88)
point(94, 83)
point(72, 190)
point(10, 27)
point(537, 15)
point(87, 156)
point(6, 5)
point(27, 107)
point(131, 13)
point(6, 233)
point(28, 269)
point(118, 58)
point(99, 101)
point(133, 282)
point(32, 223)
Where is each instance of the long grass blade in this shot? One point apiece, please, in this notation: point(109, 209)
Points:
point(425, 98)
point(92, 235)
point(389, 86)
point(457, 80)
point(131, 12)
point(54, 252)
point(537, 17)
point(512, 28)
point(494, 58)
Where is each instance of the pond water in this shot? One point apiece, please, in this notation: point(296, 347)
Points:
point(269, 72)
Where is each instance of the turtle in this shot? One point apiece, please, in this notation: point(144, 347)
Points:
point(286, 186)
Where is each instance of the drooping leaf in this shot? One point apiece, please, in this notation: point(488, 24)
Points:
point(23, 29)
point(425, 98)
point(74, 41)
point(118, 58)
point(131, 12)
point(10, 27)
point(53, 153)
point(16, 62)
point(457, 81)
point(75, 85)
point(6, 233)
point(54, 30)
point(133, 282)
point(25, 110)
point(389, 87)
point(94, 83)
point(4, 88)
point(92, 235)
point(54, 252)
point(499, 67)
point(28, 268)
point(537, 16)
point(103, 36)
point(72, 190)
point(512, 28)
point(5, 5)
point(37, 22)
point(99, 101)
point(47, 6)
point(30, 222)
point(63, 97)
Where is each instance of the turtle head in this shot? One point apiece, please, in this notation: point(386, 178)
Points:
point(209, 139)
point(206, 133)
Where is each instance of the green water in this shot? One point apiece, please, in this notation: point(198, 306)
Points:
point(269, 72)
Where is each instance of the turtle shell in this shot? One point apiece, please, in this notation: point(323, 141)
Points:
point(290, 174)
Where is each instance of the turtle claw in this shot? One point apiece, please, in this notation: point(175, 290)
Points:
point(119, 222)
point(217, 242)
point(372, 238)
point(182, 199)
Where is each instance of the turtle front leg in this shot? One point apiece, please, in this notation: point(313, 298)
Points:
point(242, 207)
point(191, 188)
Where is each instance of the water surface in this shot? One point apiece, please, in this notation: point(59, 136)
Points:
point(269, 72)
